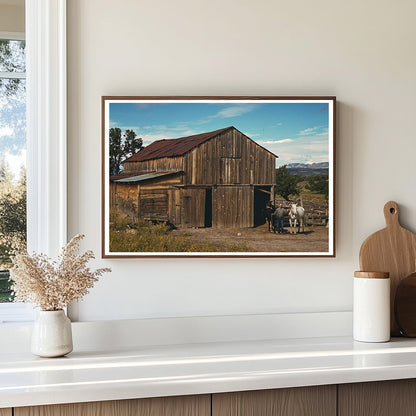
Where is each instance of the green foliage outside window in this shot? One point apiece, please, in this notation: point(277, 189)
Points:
point(12, 223)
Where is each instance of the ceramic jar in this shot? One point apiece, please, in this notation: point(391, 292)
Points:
point(371, 307)
point(52, 334)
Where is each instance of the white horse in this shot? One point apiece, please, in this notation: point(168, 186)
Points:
point(296, 217)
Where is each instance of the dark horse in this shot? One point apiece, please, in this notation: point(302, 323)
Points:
point(268, 215)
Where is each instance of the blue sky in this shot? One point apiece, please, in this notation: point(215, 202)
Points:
point(296, 132)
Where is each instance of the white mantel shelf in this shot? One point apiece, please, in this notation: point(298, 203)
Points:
point(148, 371)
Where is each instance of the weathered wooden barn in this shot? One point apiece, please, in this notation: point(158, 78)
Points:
point(216, 179)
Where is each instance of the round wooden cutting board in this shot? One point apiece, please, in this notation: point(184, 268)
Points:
point(405, 306)
point(393, 250)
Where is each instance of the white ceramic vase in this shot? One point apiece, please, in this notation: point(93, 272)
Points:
point(52, 334)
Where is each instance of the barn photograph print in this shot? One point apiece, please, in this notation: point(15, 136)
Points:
point(218, 176)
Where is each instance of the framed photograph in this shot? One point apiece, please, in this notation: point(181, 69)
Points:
point(218, 176)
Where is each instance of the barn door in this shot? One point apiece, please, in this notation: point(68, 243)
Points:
point(261, 196)
point(232, 207)
point(186, 210)
point(174, 201)
point(193, 207)
point(153, 205)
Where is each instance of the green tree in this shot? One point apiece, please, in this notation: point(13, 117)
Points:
point(115, 150)
point(122, 146)
point(286, 183)
point(12, 214)
point(319, 184)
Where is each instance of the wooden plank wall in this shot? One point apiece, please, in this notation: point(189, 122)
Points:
point(123, 197)
point(160, 189)
point(233, 206)
point(181, 207)
point(174, 206)
point(126, 196)
point(230, 170)
point(164, 164)
point(230, 158)
point(5, 412)
point(154, 204)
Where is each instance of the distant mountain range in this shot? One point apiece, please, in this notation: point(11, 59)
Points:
point(308, 169)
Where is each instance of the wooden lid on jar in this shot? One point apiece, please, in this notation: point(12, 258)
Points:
point(372, 275)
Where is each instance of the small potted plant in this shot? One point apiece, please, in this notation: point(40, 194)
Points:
point(52, 286)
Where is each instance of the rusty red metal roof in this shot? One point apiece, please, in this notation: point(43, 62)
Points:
point(178, 147)
point(173, 147)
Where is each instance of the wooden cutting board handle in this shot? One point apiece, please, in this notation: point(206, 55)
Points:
point(391, 214)
point(393, 250)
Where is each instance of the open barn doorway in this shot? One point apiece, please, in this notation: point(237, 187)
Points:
point(208, 208)
point(261, 196)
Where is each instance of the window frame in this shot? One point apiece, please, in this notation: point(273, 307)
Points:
point(12, 36)
point(46, 125)
point(46, 113)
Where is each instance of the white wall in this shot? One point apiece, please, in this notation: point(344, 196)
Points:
point(361, 51)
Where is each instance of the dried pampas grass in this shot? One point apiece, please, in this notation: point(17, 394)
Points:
point(52, 285)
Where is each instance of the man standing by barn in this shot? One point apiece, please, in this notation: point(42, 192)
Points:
point(279, 215)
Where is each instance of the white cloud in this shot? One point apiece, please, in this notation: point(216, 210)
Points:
point(251, 135)
point(271, 141)
point(160, 132)
point(150, 138)
point(298, 150)
point(309, 131)
point(234, 111)
point(284, 141)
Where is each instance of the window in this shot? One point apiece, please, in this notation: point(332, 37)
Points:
point(12, 154)
point(46, 135)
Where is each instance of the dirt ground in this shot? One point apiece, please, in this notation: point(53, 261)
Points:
point(315, 238)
